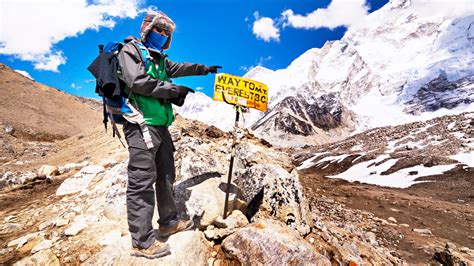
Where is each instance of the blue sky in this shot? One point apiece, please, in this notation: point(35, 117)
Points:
point(56, 48)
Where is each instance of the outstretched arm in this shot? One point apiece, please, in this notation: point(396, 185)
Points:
point(176, 70)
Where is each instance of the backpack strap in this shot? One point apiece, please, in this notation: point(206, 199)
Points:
point(144, 53)
point(136, 117)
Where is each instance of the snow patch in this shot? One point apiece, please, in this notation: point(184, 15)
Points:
point(334, 159)
point(465, 158)
point(309, 162)
point(403, 178)
point(24, 73)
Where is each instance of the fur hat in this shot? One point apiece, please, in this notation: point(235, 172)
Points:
point(160, 20)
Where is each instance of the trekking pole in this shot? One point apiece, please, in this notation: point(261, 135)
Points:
point(232, 155)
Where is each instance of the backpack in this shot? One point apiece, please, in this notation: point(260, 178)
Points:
point(110, 87)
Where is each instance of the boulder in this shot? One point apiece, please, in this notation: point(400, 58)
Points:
point(8, 178)
point(76, 227)
point(235, 220)
point(225, 227)
point(272, 192)
point(47, 171)
point(197, 158)
point(269, 242)
point(71, 166)
point(206, 199)
point(26, 177)
point(249, 154)
point(214, 132)
point(79, 181)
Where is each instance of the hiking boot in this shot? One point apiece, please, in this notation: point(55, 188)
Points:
point(182, 225)
point(156, 250)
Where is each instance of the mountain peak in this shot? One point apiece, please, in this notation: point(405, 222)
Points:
point(398, 4)
point(257, 71)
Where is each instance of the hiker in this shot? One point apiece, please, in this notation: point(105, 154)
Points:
point(153, 93)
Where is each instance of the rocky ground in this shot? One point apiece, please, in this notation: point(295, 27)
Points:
point(426, 211)
point(74, 211)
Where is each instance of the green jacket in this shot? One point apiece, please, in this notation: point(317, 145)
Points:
point(150, 86)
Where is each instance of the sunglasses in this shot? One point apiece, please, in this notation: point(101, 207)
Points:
point(162, 30)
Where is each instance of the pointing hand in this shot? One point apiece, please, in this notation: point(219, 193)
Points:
point(212, 69)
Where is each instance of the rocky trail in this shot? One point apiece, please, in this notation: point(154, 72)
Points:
point(77, 214)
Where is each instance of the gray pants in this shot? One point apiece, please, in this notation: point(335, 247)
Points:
point(145, 169)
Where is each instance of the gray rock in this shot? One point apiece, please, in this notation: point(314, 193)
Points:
point(9, 129)
point(391, 219)
point(272, 192)
point(206, 200)
point(270, 242)
point(45, 244)
point(26, 177)
point(75, 228)
point(47, 171)
point(46, 224)
point(61, 222)
point(79, 181)
point(422, 231)
point(235, 220)
point(198, 159)
point(71, 166)
point(214, 132)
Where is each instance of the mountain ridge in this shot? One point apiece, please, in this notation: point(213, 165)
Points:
point(380, 65)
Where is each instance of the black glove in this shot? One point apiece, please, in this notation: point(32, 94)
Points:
point(182, 92)
point(212, 69)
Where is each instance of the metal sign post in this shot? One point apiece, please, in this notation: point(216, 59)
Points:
point(231, 166)
point(242, 93)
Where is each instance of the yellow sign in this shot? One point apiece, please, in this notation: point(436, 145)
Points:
point(241, 91)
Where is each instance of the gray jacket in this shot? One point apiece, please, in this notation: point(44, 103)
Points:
point(136, 78)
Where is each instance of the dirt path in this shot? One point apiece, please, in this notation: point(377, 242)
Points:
point(15, 202)
point(445, 208)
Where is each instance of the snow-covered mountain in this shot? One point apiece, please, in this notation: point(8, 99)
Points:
point(408, 61)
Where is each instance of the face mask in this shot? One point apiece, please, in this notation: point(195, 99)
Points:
point(155, 40)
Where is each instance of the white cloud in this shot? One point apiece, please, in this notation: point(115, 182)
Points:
point(338, 13)
point(199, 89)
point(264, 28)
point(30, 29)
point(24, 73)
point(74, 86)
